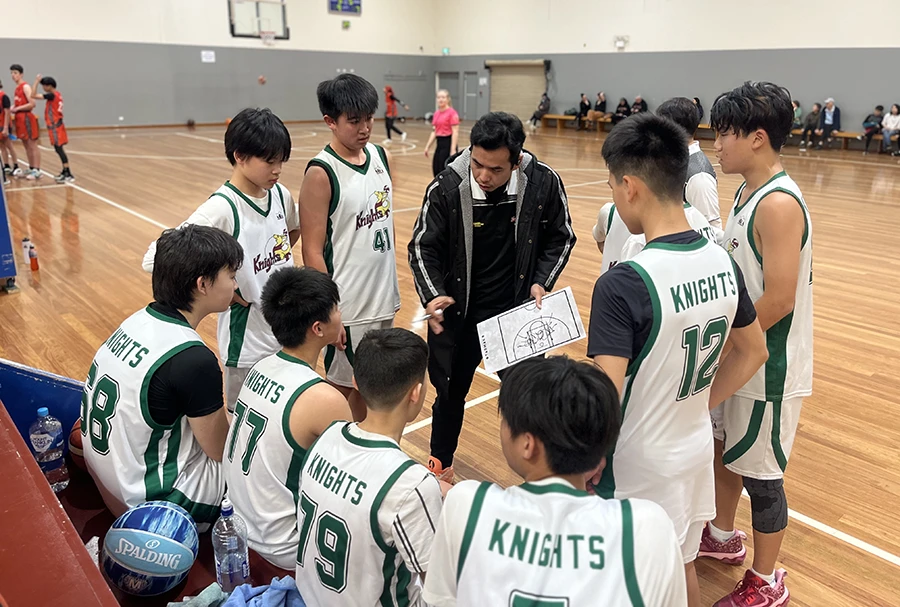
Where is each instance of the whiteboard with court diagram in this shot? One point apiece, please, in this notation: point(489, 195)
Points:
point(526, 331)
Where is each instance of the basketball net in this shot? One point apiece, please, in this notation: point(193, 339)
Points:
point(268, 38)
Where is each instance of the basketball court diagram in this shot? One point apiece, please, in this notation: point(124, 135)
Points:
point(527, 331)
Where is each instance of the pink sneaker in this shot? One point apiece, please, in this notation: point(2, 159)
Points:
point(753, 591)
point(731, 552)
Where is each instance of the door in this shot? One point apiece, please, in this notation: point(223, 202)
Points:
point(516, 86)
point(470, 96)
point(449, 81)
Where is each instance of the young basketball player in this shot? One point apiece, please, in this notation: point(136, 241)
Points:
point(547, 541)
point(152, 421)
point(658, 325)
point(367, 511)
point(347, 222)
point(769, 235)
point(26, 123)
point(53, 118)
point(261, 215)
point(282, 409)
point(701, 189)
point(7, 151)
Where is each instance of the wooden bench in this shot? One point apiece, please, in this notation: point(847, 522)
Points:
point(562, 119)
point(847, 136)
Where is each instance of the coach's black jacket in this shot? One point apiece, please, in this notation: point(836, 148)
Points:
point(441, 246)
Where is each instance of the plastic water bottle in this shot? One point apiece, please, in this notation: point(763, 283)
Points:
point(229, 539)
point(46, 436)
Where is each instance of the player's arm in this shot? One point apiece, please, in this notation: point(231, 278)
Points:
point(702, 193)
point(292, 216)
point(29, 105)
point(414, 523)
point(778, 231)
point(194, 380)
point(440, 585)
point(317, 408)
point(7, 116)
point(314, 201)
point(599, 230)
point(34, 89)
point(559, 237)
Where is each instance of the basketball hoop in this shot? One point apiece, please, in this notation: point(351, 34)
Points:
point(267, 37)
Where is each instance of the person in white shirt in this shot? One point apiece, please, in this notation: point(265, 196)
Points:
point(548, 541)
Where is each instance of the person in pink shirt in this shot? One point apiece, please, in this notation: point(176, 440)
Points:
point(446, 132)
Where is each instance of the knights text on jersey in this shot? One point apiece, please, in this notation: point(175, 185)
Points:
point(262, 460)
point(132, 458)
point(546, 543)
point(359, 248)
point(788, 371)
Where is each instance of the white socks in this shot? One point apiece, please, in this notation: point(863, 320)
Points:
point(719, 535)
point(770, 579)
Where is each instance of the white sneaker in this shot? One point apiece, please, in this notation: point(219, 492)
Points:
point(403, 137)
point(18, 173)
point(387, 142)
point(70, 178)
point(33, 176)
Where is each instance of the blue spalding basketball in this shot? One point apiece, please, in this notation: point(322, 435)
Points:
point(150, 548)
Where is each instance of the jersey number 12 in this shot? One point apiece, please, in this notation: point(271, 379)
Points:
point(697, 378)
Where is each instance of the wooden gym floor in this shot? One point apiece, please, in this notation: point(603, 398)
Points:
point(843, 482)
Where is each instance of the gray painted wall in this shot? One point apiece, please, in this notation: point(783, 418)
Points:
point(167, 84)
point(162, 84)
point(810, 74)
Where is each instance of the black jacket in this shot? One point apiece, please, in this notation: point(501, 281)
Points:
point(441, 246)
point(836, 119)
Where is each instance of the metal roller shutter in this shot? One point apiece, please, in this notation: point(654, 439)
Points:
point(517, 86)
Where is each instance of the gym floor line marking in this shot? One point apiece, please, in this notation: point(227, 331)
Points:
point(113, 204)
point(407, 210)
point(198, 137)
point(37, 187)
point(429, 420)
point(578, 185)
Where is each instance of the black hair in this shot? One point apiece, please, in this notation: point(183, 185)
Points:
point(817, 105)
point(348, 94)
point(797, 102)
point(499, 130)
point(48, 81)
point(752, 106)
point(187, 253)
point(16, 67)
point(256, 133)
point(683, 112)
point(572, 407)
point(894, 105)
point(880, 108)
point(387, 364)
point(296, 298)
point(652, 148)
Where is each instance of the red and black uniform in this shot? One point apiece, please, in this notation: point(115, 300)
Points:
point(53, 117)
point(391, 114)
point(26, 122)
point(4, 111)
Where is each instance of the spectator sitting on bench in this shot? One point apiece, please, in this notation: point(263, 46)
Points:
point(599, 111)
point(639, 105)
point(583, 108)
point(871, 127)
point(890, 126)
point(798, 115)
point(699, 107)
point(542, 110)
point(810, 126)
point(829, 123)
point(623, 111)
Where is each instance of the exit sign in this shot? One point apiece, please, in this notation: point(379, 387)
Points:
point(446, 50)
point(353, 7)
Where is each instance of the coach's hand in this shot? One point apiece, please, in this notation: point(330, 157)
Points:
point(537, 293)
point(436, 309)
point(341, 343)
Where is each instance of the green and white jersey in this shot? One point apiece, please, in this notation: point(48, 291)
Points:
point(665, 448)
point(547, 544)
point(262, 460)
point(367, 517)
point(789, 369)
point(132, 458)
point(359, 247)
point(621, 245)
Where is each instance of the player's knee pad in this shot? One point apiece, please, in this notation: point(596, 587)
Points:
point(768, 504)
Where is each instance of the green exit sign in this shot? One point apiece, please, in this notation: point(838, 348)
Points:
point(446, 50)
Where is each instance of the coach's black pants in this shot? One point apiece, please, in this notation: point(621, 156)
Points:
point(389, 124)
point(826, 135)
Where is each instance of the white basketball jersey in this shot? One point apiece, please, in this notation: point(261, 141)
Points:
point(262, 460)
point(243, 334)
point(352, 484)
point(359, 247)
point(132, 458)
point(621, 245)
point(666, 436)
point(548, 544)
point(788, 372)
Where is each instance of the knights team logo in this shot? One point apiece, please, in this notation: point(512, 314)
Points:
point(378, 208)
point(732, 245)
point(277, 252)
